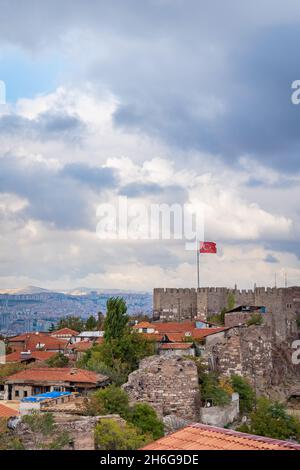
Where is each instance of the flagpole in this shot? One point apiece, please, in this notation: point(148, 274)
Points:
point(198, 267)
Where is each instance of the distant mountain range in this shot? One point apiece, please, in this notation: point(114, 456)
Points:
point(78, 291)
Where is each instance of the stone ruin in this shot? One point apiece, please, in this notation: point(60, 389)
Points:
point(80, 429)
point(168, 384)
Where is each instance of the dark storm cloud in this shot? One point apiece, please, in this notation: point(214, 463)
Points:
point(55, 197)
point(198, 80)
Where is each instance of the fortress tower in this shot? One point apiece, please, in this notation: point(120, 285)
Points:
point(282, 305)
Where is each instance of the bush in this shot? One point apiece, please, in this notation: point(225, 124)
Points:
point(144, 417)
point(255, 319)
point(43, 429)
point(270, 419)
point(111, 435)
point(58, 360)
point(109, 400)
point(212, 390)
point(245, 391)
point(7, 440)
point(118, 357)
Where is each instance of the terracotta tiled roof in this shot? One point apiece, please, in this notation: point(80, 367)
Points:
point(203, 437)
point(152, 336)
point(199, 333)
point(38, 355)
point(31, 340)
point(44, 374)
point(65, 331)
point(177, 337)
point(175, 346)
point(143, 324)
point(7, 412)
point(82, 346)
point(173, 327)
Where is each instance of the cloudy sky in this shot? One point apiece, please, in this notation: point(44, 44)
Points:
point(161, 101)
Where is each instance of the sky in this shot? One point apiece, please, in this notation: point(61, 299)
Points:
point(162, 102)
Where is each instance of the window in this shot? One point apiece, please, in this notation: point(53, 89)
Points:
point(25, 394)
point(17, 393)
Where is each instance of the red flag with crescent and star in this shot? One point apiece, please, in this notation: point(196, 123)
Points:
point(208, 247)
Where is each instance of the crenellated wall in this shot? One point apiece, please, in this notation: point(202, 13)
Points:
point(282, 305)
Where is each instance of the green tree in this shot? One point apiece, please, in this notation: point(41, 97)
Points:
point(116, 319)
point(58, 360)
point(91, 323)
point(117, 358)
point(212, 390)
point(270, 419)
point(255, 319)
point(109, 400)
point(111, 435)
point(230, 301)
point(72, 322)
point(45, 432)
point(144, 417)
point(100, 322)
point(245, 391)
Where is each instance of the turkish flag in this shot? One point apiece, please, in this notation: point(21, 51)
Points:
point(208, 247)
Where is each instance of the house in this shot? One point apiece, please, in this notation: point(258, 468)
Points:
point(65, 333)
point(77, 350)
point(46, 401)
point(204, 437)
point(144, 327)
point(45, 379)
point(37, 342)
point(180, 349)
point(89, 336)
point(28, 357)
point(179, 333)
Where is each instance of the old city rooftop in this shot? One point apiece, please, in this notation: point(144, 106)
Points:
point(31, 356)
point(203, 437)
point(44, 374)
point(7, 412)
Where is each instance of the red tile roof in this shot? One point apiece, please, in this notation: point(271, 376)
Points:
point(199, 333)
point(175, 346)
point(7, 412)
point(82, 346)
point(51, 374)
point(177, 337)
point(38, 355)
point(143, 324)
point(152, 336)
point(174, 327)
point(203, 437)
point(31, 340)
point(65, 331)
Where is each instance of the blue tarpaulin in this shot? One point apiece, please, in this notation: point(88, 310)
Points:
point(45, 396)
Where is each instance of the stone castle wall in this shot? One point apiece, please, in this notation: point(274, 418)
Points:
point(169, 384)
point(282, 305)
point(246, 352)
